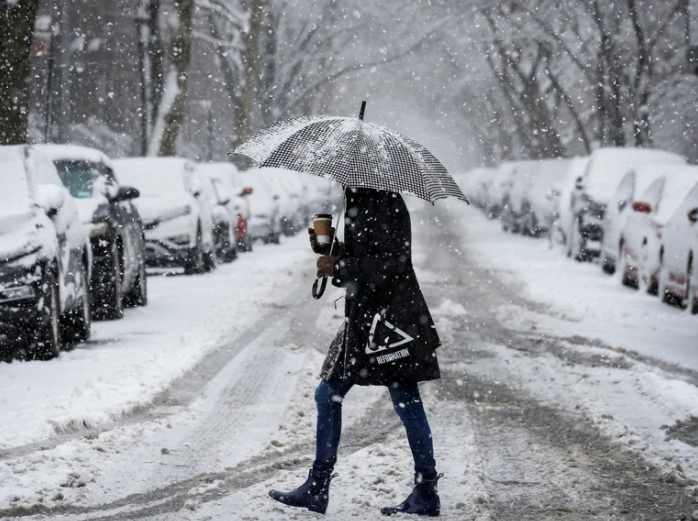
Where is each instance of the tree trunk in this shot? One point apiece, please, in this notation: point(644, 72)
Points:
point(172, 113)
point(250, 74)
point(16, 28)
point(155, 55)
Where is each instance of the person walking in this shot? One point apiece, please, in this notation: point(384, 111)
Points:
point(388, 338)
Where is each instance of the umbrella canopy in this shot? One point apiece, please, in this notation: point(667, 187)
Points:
point(355, 153)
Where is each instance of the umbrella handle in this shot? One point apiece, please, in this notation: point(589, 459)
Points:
point(318, 294)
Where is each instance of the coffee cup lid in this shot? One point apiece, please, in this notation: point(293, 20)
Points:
point(323, 216)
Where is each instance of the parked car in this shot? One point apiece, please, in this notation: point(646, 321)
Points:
point(641, 237)
point(538, 201)
point(619, 208)
point(561, 195)
point(288, 193)
point(225, 177)
point(117, 238)
point(475, 183)
point(265, 219)
point(177, 215)
point(593, 190)
point(498, 190)
point(519, 184)
point(224, 219)
point(44, 259)
point(678, 273)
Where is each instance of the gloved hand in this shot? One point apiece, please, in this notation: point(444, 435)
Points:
point(325, 265)
point(324, 249)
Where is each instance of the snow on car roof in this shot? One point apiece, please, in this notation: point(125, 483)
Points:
point(154, 176)
point(74, 153)
point(608, 166)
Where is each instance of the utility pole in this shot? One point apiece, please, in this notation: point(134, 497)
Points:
point(143, 28)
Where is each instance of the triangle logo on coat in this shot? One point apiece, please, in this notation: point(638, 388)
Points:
point(384, 336)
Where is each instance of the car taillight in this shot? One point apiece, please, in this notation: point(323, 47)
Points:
point(241, 227)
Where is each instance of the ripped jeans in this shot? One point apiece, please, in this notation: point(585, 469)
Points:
point(408, 406)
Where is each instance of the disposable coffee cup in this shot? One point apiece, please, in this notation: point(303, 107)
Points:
point(322, 224)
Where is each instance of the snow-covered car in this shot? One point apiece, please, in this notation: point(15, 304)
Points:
point(475, 184)
point(225, 179)
point(678, 272)
point(177, 215)
point(593, 191)
point(289, 194)
point(116, 230)
point(619, 208)
point(44, 258)
point(265, 218)
point(641, 237)
point(518, 186)
point(539, 199)
point(498, 190)
point(223, 218)
point(561, 196)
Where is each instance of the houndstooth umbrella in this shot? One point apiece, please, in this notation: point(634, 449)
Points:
point(355, 153)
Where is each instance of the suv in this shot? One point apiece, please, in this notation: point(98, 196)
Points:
point(44, 259)
point(116, 231)
point(176, 213)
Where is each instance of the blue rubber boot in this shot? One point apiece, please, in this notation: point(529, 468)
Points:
point(314, 494)
point(423, 501)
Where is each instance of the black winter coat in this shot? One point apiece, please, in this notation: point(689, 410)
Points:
point(388, 335)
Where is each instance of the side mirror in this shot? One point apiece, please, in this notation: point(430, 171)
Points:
point(277, 197)
point(579, 184)
point(642, 207)
point(622, 204)
point(247, 191)
point(51, 198)
point(693, 215)
point(195, 187)
point(224, 200)
point(126, 193)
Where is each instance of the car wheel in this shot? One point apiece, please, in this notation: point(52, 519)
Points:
point(109, 293)
point(76, 324)
point(664, 295)
point(47, 340)
point(138, 295)
point(607, 265)
point(209, 261)
point(624, 278)
point(195, 265)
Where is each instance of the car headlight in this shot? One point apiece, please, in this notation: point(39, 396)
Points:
point(181, 240)
point(16, 293)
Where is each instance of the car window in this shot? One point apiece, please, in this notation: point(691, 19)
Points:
point(81, 178)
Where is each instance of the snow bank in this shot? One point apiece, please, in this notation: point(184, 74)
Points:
point(580, 296)
point(128, 362)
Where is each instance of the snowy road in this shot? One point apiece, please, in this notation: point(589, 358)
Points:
point(535, 417)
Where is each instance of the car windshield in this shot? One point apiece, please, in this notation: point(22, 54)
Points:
point(14, 196)
point(80, 177)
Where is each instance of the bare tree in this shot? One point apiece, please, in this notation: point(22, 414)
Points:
point(17, 18)
point(170, 112)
